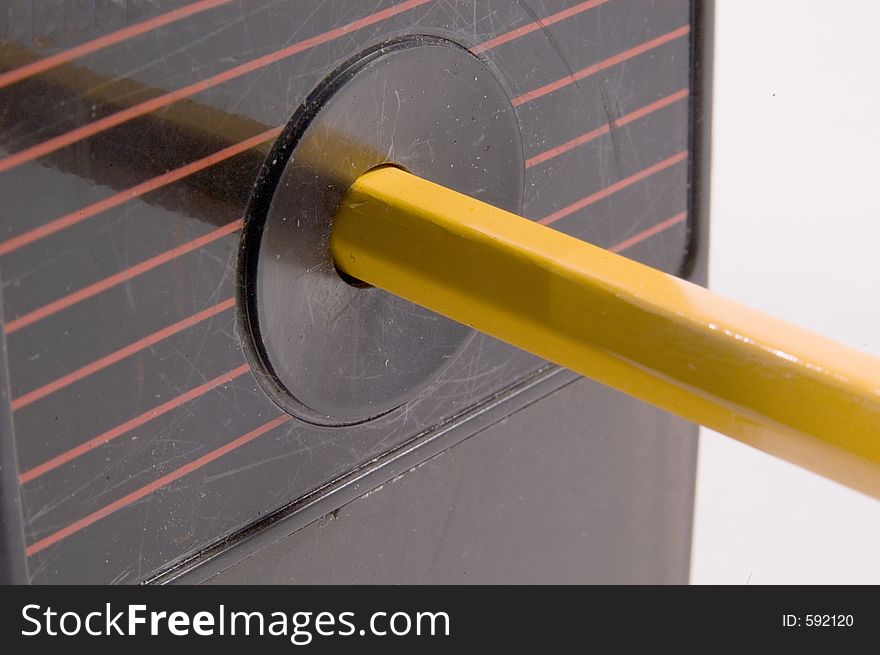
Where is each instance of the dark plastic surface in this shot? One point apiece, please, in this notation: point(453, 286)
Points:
point(142, 438)
point(13, 562)
point(472, 522)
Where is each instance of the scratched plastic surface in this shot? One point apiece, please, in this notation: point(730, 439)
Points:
point(125, 170)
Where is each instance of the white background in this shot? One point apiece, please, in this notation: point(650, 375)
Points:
point(795, 231)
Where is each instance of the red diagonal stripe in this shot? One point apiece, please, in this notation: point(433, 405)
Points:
point(146, 490)
point(647, 234)
point(53, 61)
point(600, 66)
point(536, 25)
point(614, 188)
point(80, 133)
point(123, 276)
point(122, 353)
point(134, 192)
point(605, 129)
point(128, 426)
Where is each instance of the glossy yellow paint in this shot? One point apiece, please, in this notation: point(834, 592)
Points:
point(787, 391)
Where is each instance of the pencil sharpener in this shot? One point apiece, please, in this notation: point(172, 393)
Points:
point(190, 391)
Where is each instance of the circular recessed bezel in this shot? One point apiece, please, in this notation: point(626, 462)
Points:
point(325, 351)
